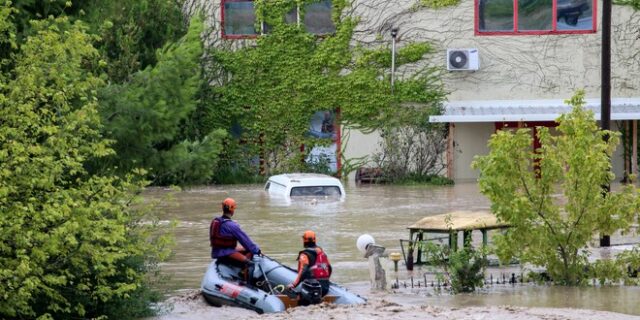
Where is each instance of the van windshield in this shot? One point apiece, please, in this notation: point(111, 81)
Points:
point(316, 191)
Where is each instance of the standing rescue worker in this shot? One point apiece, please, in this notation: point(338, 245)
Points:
point(313, 264)
point(224, 235)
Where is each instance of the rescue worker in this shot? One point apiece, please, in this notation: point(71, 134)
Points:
point(224, 235)
point(313, 264)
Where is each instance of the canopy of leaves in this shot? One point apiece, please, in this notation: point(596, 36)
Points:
point(553, 196)
point(148, 115)
point(70, 244)
point(131, 31)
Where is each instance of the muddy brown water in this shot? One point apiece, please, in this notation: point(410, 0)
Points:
point(276, 225)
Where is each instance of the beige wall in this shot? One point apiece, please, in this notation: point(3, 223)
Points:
point(471, 139)
point(511, 67)
point(356, 144)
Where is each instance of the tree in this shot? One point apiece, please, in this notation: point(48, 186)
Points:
point(131, 31)
point(552, 197)
point(149, 116)
point(71, 243)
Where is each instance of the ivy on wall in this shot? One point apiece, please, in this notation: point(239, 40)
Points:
point(437, 4)
point(273, 87)
point(633, 3)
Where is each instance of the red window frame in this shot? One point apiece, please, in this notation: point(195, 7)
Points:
point(554, 22)
point(233, 36)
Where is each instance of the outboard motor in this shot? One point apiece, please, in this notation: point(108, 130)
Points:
point(310, 292)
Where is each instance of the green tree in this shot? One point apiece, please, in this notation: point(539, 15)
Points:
point(552, 197)
point(149, 117)
point(71, 244)
point(131, 31)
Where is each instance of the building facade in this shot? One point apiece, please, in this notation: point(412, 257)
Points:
point(505, 62)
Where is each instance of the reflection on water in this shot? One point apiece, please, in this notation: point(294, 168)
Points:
point(382, 211)
point(618, 299)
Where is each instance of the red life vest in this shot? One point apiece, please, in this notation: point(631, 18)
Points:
point(319, 267)
point(217, 240)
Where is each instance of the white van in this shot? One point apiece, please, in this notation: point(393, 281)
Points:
point(305, 184)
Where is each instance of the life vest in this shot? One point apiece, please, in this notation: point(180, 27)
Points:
point(319, 267)
point(217, 240)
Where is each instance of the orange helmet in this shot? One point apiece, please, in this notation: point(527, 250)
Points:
point(229, 204)
point(309, 236)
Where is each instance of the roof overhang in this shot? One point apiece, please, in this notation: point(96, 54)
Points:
point(529, 110)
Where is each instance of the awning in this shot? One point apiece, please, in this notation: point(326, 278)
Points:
point(529, 110)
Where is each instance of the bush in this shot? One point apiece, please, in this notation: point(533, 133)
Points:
point(463, 269)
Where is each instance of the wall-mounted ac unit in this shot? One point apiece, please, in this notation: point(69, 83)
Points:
point(462, 60)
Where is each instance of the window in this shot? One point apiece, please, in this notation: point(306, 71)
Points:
point(328, 191)
point(317, 18)
point(238, 19)
point(535, 16)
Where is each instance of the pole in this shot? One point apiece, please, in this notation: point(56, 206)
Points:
point(605, 96)
point(394, 33)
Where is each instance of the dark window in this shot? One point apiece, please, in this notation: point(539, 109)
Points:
point(317, 18)
point(238, 19)
point(535, 16)
point(316, 191)
point(292, 16)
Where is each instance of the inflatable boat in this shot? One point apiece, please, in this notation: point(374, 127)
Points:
point(265, 293)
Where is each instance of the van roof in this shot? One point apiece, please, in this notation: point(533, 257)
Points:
point(314, 178)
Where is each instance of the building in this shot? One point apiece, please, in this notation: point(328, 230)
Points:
point(509, 65)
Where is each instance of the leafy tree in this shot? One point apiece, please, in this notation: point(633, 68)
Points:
point(71, 245)
point(149, 116)
point(552, 197)
point(131, 31)
point(271, 90)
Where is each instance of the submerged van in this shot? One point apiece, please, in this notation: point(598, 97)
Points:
point(305, 184)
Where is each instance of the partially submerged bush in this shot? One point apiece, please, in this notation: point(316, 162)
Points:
point(463, 269)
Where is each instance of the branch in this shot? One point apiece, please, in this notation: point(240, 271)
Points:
point(530, 197)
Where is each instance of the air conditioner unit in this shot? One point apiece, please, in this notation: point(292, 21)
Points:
point(462, 60)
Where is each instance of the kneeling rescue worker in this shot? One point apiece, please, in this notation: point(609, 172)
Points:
point(314, 271)
point(224, 235)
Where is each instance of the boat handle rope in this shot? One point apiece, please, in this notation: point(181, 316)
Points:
point(265, 278)
point(279, 288)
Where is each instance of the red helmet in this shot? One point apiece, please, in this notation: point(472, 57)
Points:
point(229, 205)
point(309, 236)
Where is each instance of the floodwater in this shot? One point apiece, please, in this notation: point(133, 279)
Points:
point(382, 211)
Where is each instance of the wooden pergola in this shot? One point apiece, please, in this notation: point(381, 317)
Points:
point(451, 224)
